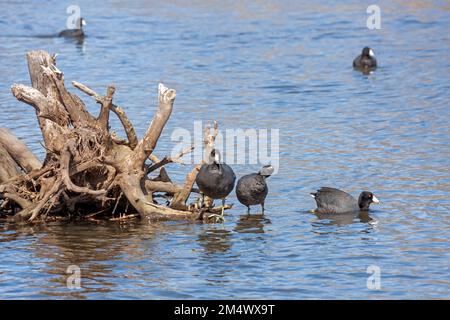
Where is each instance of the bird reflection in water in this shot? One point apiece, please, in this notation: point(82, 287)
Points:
point(80, 43)
point(251, 223)
point(215, 240)
point(328, 219)
point(344, 219)
point(61, 245)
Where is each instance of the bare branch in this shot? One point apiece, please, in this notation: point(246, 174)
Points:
point(74, 106)
point(65, 163)
point(19, 151)
point(126, 123)
point(160, 186)
point(167, 160)
point(34, 212)
point(106, 103)
point(146, 146)
point(23, 203)
point(179, 199)
point(8, 167)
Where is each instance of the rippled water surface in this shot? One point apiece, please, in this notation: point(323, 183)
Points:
point(262, 65)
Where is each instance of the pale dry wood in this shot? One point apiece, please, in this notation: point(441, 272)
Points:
point(166, 160)
point(19, 151)
point(14, 196)
point(8, 167)
point(126, 123)
point(86, 163)
point(145, 147)
point(161, 186)
point(65, 175)
point(106, 103)
point(127, 217)
point(71, 103)
point(36, 210)
point(36, 60)
point(180, 198)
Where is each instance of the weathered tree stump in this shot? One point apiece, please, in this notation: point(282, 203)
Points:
point(87, 168)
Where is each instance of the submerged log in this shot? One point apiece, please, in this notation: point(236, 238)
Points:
point(87, 168)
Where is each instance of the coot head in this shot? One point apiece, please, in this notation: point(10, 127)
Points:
point(266, 171)
point(213, 157)
point(365, 199)
point(75, 33)
point(367, 52)
point(81, 23)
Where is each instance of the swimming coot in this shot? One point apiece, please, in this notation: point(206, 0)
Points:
point(74, 33)
point(252, 189)
point(331, 200)
point(366, 60)
point(216, 180)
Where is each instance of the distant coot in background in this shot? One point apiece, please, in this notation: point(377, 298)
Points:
point(366, 60)
point(216, 180)
point(331, 200)
point(252, 189)
point(74, 33)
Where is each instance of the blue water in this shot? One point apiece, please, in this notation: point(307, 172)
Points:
point(262, 65)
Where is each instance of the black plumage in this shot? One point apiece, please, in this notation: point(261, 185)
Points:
point(366, 60)
point(74, 33)
point(215, 180)
point(252, 189)
point(331, 200)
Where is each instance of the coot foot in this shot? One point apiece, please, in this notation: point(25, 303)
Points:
point(217, 218)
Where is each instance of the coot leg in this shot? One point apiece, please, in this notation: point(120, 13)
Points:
point(248, 209)
point(262, 207)
point(223, 207)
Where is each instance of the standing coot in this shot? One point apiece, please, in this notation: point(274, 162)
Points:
point(74, 33)
point(366, 60)
point(331, 200)
point(252, 189)
point(216, 180)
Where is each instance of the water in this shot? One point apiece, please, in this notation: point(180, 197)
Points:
point(259, 65)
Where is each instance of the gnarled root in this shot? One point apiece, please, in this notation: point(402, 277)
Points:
point(87, 168)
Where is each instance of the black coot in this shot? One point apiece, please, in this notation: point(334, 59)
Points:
point(331, 200)
point(252, 189)
point(74, 33)
point(216, 180)
point(366, 60)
